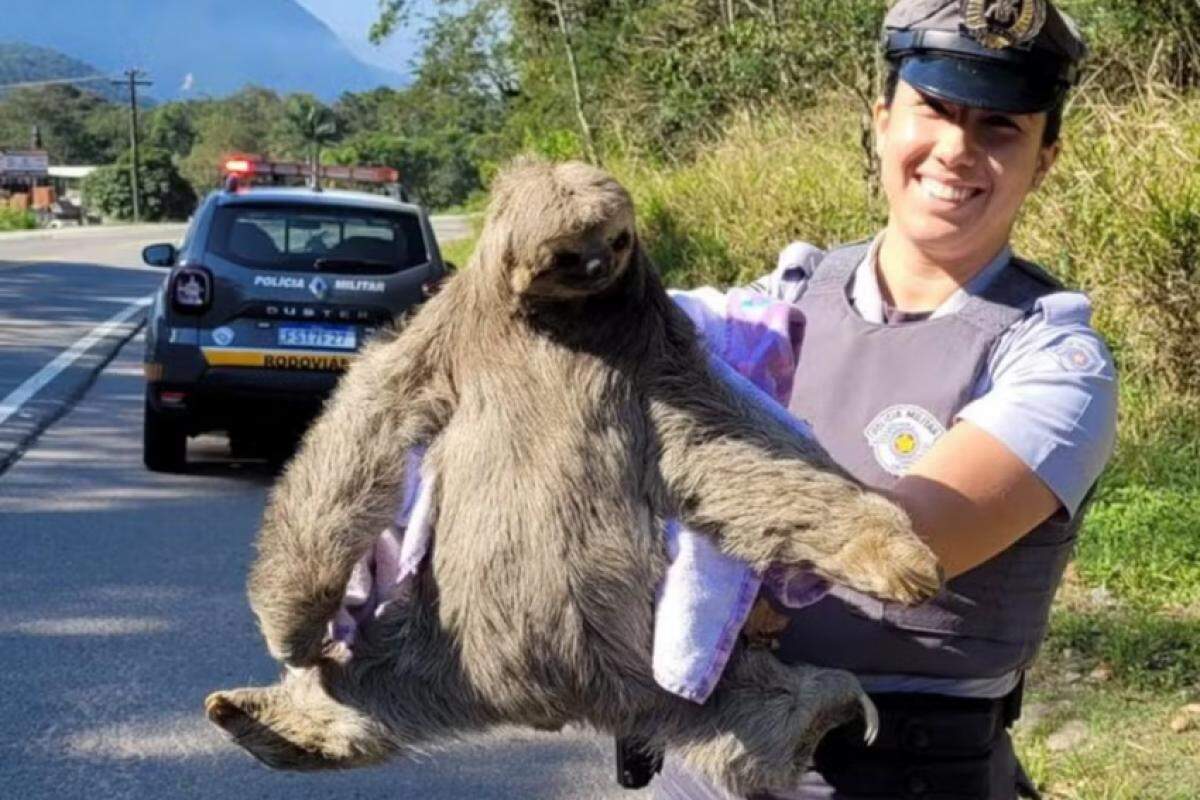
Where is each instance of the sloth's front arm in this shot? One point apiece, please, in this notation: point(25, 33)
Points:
point(770, 496)
point(340, 490)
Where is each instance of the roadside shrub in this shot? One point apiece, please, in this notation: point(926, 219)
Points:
point(164, 194)
point(12, 219)
point(1133, 41)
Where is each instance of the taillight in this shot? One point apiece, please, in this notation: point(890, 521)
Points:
point(191, 290)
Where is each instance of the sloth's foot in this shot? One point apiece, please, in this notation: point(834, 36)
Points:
point(255, 724)
point(296, 726)
point(759, 730)
point(884, 557)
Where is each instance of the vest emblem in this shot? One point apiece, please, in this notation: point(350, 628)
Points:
point(901, 434)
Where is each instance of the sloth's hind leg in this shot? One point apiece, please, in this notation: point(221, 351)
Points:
point(760, 728)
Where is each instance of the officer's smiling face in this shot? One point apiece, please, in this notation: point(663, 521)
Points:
point(955, 177)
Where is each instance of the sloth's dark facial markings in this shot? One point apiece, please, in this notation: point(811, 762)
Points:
point(565, 261)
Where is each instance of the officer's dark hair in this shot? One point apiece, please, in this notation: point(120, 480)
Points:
point(1054, 117)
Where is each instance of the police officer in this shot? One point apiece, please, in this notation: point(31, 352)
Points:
point(940, 368)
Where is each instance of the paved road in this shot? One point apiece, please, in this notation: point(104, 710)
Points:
point(123, 605)
point(56, 288)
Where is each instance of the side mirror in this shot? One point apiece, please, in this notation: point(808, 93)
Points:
point(159, 255)
point(450, 266)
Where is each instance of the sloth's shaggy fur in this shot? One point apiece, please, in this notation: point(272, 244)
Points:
point(569, 410)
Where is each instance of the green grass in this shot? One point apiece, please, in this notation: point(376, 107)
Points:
point(12, 219)
point(1123, 672)
point(1129, 751)
point(460, 250)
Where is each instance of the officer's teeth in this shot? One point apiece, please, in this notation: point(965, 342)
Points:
point(940, 191)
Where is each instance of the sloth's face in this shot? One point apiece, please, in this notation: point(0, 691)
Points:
point(573, 267)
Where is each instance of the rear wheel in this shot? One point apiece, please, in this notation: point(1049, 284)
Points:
point(164, 441)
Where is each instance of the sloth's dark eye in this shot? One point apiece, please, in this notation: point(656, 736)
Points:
point(621, 242)
point(566, 261)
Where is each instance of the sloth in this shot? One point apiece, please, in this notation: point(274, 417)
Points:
point(568, 409)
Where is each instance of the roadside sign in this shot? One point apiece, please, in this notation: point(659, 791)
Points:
point(24, 163)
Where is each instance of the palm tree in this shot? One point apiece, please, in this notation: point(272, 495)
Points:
point(311, 125)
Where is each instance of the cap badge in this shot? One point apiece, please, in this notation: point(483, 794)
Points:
point(998, 24)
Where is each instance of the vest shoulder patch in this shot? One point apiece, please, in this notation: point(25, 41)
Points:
point(1080, 355)
point(901, 434)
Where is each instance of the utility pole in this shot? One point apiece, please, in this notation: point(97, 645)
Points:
point(132, 77)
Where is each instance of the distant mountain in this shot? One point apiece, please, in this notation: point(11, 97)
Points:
point(192, 48)
point(22, 63)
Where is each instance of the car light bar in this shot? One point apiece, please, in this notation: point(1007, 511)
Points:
point(251, 165)
point(191, 290)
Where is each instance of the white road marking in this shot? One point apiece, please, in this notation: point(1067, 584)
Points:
point(88, 626)
point(21, 395)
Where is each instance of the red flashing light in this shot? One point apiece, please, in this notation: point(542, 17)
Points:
point(239, 166)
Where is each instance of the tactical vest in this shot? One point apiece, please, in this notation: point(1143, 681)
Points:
point(876, 396)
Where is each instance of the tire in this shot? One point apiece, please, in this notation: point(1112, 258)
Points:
point(164, 441)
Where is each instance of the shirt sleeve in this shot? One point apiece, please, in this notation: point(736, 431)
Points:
point(1049, 393)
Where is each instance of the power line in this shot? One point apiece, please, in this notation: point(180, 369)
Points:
point(132, 81)
point(53, 81)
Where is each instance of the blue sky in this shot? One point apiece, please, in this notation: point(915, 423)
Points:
point(350, 20)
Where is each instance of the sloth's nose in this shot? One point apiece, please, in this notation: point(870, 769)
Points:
point(595, 266)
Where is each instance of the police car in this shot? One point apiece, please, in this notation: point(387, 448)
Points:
point(271, 293)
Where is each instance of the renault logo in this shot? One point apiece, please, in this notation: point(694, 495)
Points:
point(319, 287)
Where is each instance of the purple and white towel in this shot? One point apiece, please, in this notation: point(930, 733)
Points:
point(705, 596)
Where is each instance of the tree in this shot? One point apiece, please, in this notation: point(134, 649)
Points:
point(164, 192)
point(585, 128)
point(308, 125)
point(62, 114)
point(172, 129)
point(241, 123)
point(439, 171)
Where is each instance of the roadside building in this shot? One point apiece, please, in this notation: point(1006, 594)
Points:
point(67, 181)
point(24, 179)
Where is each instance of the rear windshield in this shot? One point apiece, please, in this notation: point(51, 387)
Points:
point(297, 237)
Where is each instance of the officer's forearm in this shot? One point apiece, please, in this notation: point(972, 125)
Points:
point(970, 498)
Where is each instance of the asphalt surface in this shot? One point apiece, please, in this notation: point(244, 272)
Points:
point(56, 287)
point(122, 590)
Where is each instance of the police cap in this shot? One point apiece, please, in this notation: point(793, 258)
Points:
point(1017, 56)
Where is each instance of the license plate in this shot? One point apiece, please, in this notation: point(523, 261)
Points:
point(339, 337)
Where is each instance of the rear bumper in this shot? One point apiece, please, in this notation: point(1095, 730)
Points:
point(248, 388)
